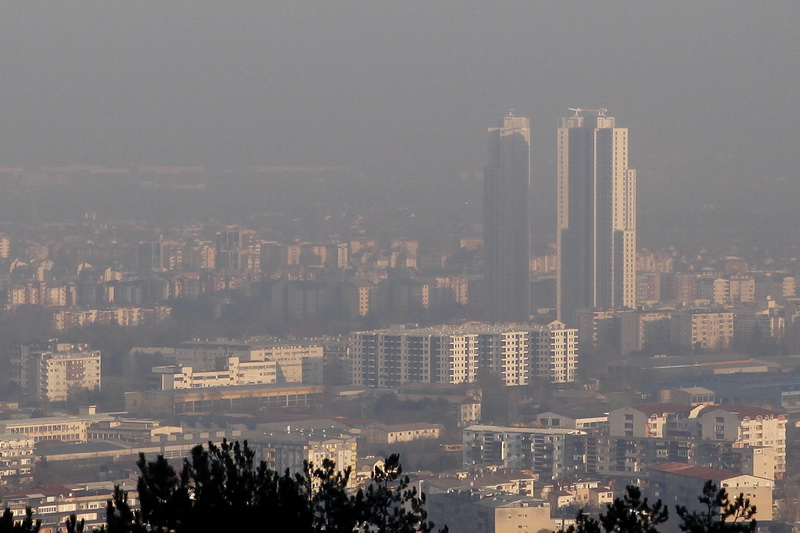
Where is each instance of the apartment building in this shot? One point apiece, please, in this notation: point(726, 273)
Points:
point(746, 427)
point(676, 483)
point(704, 329)
point(391, 433)
point(555, 349)
point(234, 373)
point(483, 510)
point(51, 370)
point(288, 445)
point(53, 504)
point(295, 362)
point(16, 460)
point(457, 354)
point(543, 450)
point(58, 428)
point(653, 421)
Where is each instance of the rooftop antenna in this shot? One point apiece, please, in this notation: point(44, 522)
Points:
point(511, 111)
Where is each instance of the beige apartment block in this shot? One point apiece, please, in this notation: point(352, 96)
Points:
point(389, 434)
point(481, 510)
point(706, 329)
point(582, 493)
point(678, 483)
point(747, 426)
point(652, 421)
point(359, 297)
point(290, 451)
point(5, 246)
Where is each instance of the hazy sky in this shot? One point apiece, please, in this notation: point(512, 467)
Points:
point(403, 90)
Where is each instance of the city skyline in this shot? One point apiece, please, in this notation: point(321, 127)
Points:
point(506, 219)
point(596, 204)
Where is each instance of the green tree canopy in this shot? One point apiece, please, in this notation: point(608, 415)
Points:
point(221, 487)
point(633, 514)
point(719, 513)
point(629, 514)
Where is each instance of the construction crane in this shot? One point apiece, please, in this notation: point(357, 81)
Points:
point(600, 112)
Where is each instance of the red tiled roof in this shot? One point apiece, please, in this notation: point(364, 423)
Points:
point(47, 490)
point(661, 408)
point(700, 472)
point(742, 411)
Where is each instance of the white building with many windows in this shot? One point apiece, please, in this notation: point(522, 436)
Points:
point(52, 370)
point(457, 354)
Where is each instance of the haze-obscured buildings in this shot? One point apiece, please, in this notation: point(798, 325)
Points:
point(506, 221)
point(596, 204)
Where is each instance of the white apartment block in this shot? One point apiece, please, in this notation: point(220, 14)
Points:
point(52, 370)
point(235, 373)
point(543, 450)
point(295, 362)
point(556, 353)
point(16, 460)
point(457, 354)
point(283, 451)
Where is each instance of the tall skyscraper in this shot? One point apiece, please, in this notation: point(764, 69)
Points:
point(505, 221)
point(596, 216)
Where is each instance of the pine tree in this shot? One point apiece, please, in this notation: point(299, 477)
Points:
point(220, 488)
point(629, 514)
point(9, 524)
point(720, 513)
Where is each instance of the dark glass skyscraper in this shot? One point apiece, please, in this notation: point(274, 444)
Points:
point(505, 221)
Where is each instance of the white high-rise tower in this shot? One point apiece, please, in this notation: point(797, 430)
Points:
point(596, 216)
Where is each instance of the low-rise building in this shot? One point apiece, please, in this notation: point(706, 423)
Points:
point(53, 504)
point(220, 399)
point(296, 362)
point(581, 493)
point(233, 373)
point(58, 428)
point(677, 483)
point(480, 510)
point(389, 434)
